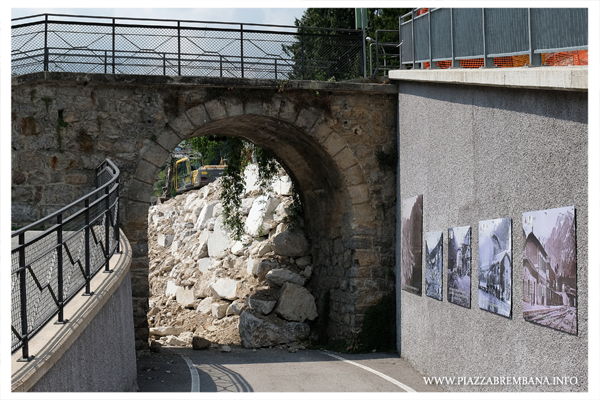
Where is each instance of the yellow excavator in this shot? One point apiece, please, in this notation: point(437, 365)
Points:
point(188, 179)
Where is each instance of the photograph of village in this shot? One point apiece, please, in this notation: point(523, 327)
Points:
point(459, 266)
point(412, 253)
point(550, 268)
point(433, 264)
point(495, 266)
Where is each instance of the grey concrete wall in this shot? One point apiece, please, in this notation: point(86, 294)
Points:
point(479, 153)
point(107, 345)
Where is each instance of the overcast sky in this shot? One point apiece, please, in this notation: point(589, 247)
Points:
point(270, 16)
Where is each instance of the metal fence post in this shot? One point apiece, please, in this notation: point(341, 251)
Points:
point(399, 46)
point(302, 51)
point(275, 68)
point(113, 45)
point(59, 267)
point(242, 47)
point(534, 58)
point(431, 65)
point(412, 27)
point(107, 230)
point(487, 62)
point(46, 67)
point(86, 239)
point(164, 63)
point(117, 220)
point(23, 294)
point(455, 62)
point(179, 48)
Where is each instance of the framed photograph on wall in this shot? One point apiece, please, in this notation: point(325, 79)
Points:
point(459, 266)
point(433, 264)
point(495, 266)
point(550, 268)
point(412, 242)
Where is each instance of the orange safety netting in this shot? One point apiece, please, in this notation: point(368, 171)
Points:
point(566, 58)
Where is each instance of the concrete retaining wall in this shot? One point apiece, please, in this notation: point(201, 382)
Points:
point(95, 350)
point(477, 153)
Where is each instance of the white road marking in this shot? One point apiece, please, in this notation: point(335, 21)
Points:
point(194, 373)
point(387, 378)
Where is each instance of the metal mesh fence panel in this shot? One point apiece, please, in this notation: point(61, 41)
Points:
point(559, 29)
point(50, 265)
point(422, 38)
point(468, 37)
point(176, 48)
point(507, 30)
point(406, 36)
point(441, 34)
point(505, 37)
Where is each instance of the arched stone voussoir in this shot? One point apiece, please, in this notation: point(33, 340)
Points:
point(234, 107)
point(198, 116)
point(167, 138)
point(140, 191)
point(306, 119)
point(216, 110)
point(182, 125)
point(154, 153)
point(146, 172)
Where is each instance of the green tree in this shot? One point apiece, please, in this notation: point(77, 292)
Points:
point(322, 54)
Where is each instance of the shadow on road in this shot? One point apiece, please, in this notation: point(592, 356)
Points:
point(275, 370)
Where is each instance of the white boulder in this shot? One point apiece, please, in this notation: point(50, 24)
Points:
point(296, 303)
point(166, 330)
point(225, 288)
point(165, 240)
point(219, 241)
point(261, 209)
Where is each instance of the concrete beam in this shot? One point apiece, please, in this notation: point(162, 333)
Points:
point(363, 86)
point(548, 78)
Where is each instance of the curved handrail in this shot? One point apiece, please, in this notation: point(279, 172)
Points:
point(49, 265)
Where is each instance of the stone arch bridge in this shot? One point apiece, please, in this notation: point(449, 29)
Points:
point(333, 139)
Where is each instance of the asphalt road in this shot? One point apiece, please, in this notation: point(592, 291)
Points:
point(273, 370)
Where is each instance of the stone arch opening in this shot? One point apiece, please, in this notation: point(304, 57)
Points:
point(324, 193)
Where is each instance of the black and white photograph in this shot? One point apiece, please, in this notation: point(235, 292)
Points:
point(495, 266)
point(459, 266)
point(550, 268)
point(433, 264)
point(412, 253)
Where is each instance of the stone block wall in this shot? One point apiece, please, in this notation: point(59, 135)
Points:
point(327, 135)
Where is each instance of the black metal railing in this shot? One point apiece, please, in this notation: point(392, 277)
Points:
point(50, 265)
point(68, 43)
point(458, 34)
point(385, 60)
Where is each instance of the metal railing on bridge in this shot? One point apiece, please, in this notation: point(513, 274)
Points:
point(57, 256)
point(453, 37)
point(107, 45)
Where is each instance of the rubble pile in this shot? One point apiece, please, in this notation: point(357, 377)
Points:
point(206, 287)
